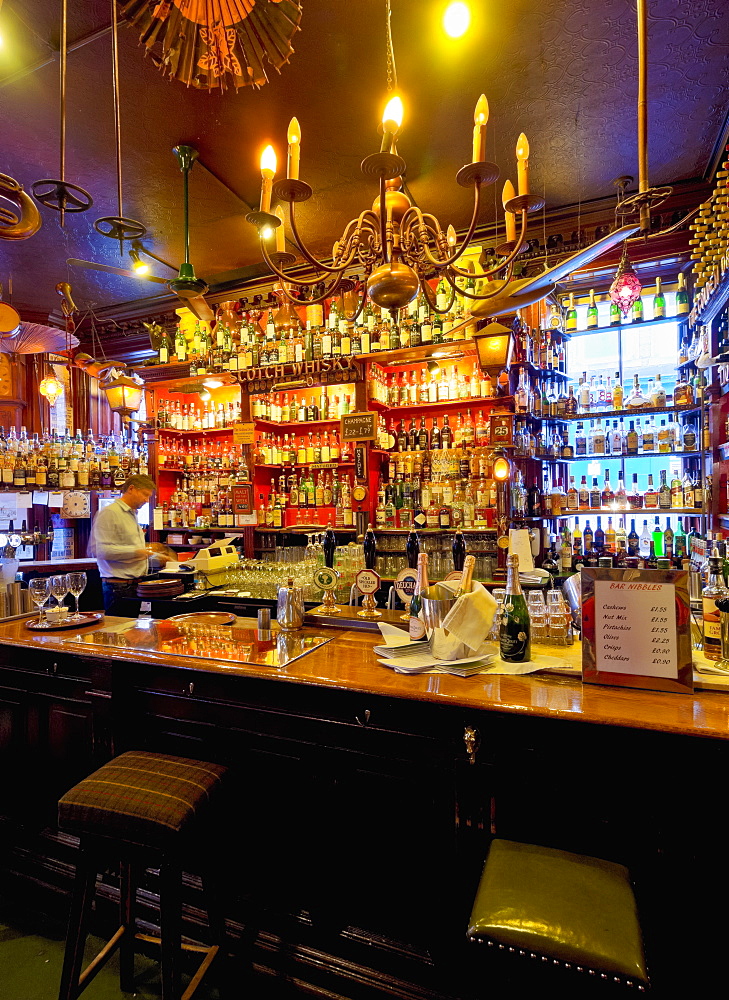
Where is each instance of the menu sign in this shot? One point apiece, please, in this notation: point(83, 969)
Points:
point(359, 426)
point(636, 628)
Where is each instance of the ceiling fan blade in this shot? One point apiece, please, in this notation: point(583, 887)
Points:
point(199, 306)
point(91, 265)
point(579, 259)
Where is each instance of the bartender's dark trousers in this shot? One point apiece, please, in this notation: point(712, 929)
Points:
point(117, 594)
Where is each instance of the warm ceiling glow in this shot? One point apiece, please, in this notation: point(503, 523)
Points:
point(266, 233)
point(501, 468)
point(393, 111)
point(212, 383)
point(456, 20)
point(268, 161)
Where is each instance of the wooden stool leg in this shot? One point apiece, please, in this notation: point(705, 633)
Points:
point(170, 928)
point(83, 896)
point(127, 901)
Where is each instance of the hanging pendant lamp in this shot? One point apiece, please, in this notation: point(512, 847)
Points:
point(626, 288)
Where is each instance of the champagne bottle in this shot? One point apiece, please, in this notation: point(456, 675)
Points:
point(464, 586)
point(515, 627)
point(416, 627)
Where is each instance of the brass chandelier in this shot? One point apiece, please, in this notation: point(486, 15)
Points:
point(399, 248)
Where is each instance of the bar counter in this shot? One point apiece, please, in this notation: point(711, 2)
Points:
point(347, 662)
point(367, 798)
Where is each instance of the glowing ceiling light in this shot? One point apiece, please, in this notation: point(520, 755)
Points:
point(138, 265)
point(456, 20)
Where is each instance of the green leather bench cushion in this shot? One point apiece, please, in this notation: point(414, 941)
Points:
point(568, 906)
point(140, 797)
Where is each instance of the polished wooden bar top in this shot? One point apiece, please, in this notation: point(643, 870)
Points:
point(348, 662)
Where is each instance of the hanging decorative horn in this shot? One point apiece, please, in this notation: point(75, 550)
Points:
point(23, 223)
point(60, 195)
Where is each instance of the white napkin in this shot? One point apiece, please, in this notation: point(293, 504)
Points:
point(471, 617)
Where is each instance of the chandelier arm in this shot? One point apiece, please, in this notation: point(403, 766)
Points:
point(436, 262)
point(365, 296)
point(312, 260)
point(322, 298)
point(507, 261)
point(427, 291)
point(309, 283)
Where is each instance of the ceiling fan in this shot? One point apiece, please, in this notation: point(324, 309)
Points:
point(187, 286)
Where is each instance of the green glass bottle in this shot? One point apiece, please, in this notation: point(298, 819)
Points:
point(416, 626)
point(636, 312)
point(571, 317)
point(615, 317)
point(515, 626)
point(682, 299)
point(592, 311)
point(659, 302)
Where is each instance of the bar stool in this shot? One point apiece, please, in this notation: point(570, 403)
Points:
point(561, 909)
point(143, 809)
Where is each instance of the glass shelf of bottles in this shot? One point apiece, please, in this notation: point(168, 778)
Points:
point(390, 390)
point(191, 529)
point(310, 424)
point(636, 411)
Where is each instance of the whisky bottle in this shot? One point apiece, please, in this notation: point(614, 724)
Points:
point(714, 589)
point(515, 626)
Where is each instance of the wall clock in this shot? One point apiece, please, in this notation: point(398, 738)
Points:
point(76, 504)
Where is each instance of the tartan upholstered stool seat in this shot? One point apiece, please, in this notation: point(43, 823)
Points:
point(141, 809)
point(560, 908)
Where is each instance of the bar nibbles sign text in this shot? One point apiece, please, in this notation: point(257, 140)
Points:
point(636, 629)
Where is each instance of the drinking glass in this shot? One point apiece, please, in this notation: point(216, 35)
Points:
point(76, 585)
point(40, 590)
point(59, 588)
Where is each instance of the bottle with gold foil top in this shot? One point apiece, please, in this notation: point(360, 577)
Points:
point(515, 626)
point(592, 311)
point(416, 626)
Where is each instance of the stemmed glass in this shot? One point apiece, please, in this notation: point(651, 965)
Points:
point(76, 585)
point(59, 588)
point(40, 590)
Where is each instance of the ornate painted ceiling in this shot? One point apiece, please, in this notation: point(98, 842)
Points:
point(562, 72)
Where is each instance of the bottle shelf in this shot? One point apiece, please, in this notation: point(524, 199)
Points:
point(196, 433)
point(637, 412)
point(548, 374)
point(316, 466)
point(449, 404)
point(204, 531)
point(615, 458)
point(285, 425)
point(449, 350)
point(302, 529)
point(629, 326)
point(432, 531)
point(613, 512)
point(198, 470)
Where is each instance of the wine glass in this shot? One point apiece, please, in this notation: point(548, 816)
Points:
point(59, 588)
point(40, 590)
point(76, 585)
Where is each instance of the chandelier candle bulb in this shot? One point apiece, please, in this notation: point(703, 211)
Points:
point(522, 162)
point(268, 171)
point(294, 141)
point(480, 118)
point(280, 232)
point(391, 122)
point(451, 236)
point(509, 217)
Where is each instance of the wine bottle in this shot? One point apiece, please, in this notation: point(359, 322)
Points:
point(370, 548)
point(515, 627)
point(416, 627)
point(412, 549)
point(329, 545)
point(459, 550)
point(464, 586)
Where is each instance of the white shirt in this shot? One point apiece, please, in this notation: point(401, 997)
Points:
point(115, 540)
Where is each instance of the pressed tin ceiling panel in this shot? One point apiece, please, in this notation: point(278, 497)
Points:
point(563, 73)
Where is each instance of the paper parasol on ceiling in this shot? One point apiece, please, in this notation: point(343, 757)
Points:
point(210, 44)
point(32, 338)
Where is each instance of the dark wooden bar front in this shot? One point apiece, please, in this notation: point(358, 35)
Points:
point(360, 822)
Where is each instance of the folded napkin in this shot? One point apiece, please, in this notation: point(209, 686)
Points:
point(471, 617)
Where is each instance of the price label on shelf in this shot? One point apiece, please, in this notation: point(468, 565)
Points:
point(368, 582)
point(244, 433)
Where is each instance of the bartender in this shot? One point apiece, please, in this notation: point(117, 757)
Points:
point(119, 546)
